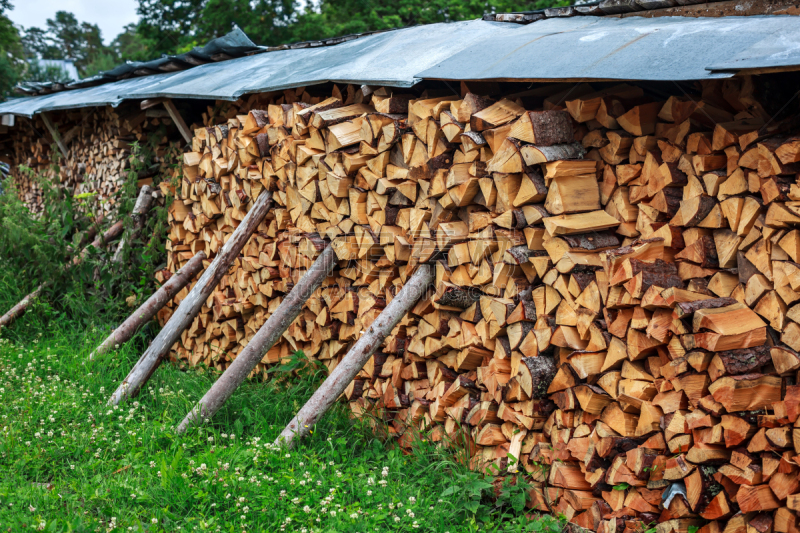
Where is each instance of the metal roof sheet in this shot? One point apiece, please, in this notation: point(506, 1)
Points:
point(389, 58)
point(633, 48)
point(108, 94)
point(576, 48)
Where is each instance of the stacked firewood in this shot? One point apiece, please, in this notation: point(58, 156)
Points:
point(614, 311)
point(99, 145)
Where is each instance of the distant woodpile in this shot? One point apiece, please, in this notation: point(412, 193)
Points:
point(98, 147)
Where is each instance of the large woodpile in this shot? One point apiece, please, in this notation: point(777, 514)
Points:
point(98, 142)
point(616, 278)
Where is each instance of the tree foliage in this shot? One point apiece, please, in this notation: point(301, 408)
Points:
point(66, 38)
point(11, 63)
point(332, 18)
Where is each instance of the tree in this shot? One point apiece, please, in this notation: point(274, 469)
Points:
point(332, 18)
point(66, 38)
point(11, 54)
point(175, 26)
point(131, 45)
point(42, 73)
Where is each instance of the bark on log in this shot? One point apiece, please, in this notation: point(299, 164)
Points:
point(542, 154)
point(191, 305)
point(267, 336)
point(591, 241)
point(687, 308)
point(745, 360)
point(355, 359)
point(542, 370)
point(140, 209)
point(461, 297)
point(18, 310)
point(660, 273)
point(148, 310)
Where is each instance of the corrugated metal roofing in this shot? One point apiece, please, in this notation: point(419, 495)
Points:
point(635, 48)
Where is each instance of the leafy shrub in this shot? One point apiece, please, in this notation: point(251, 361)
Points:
point(40, 248)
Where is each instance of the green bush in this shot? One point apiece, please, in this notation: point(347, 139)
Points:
point(40, 248)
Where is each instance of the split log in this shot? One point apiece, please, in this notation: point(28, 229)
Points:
point(267, 336)
point(148, 309)
point(354, 361)
point(191, 305)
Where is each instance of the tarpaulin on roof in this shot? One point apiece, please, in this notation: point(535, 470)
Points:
point(109, 94)
point(578, 48)
point(632, 48)
point(391, 58)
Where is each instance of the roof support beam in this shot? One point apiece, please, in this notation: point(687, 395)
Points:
point(54, 132)
point(178, 120)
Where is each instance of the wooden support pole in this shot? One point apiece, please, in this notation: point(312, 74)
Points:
point(191, 305)
point(311, 413)
point(110, 234)
point(267, 336)
point(54, 132)
point(18, 310)
point(178, 120)
point(148, 310)
point(140, 209)
point(15, 312)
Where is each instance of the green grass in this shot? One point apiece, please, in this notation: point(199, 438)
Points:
point(68, 462)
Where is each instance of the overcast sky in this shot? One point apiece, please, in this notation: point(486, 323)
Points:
point(110, 15)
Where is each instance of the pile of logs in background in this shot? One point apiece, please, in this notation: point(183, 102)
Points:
point(98, 142)
point(615, 306)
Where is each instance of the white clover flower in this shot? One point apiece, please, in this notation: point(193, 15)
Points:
point(154, 520)
point(354, 516)
point(369, 493)
point(412, 499)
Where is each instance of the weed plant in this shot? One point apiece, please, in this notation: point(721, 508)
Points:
point(39, 249)
point(68, 462)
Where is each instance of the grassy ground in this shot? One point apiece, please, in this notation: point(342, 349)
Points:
point(70, 463)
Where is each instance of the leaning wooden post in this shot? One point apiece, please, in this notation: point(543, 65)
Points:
point(191, 305)
point(140, 209)
point(267, 336)
point(148, 310)
point(18, 310)
point(357, 357)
